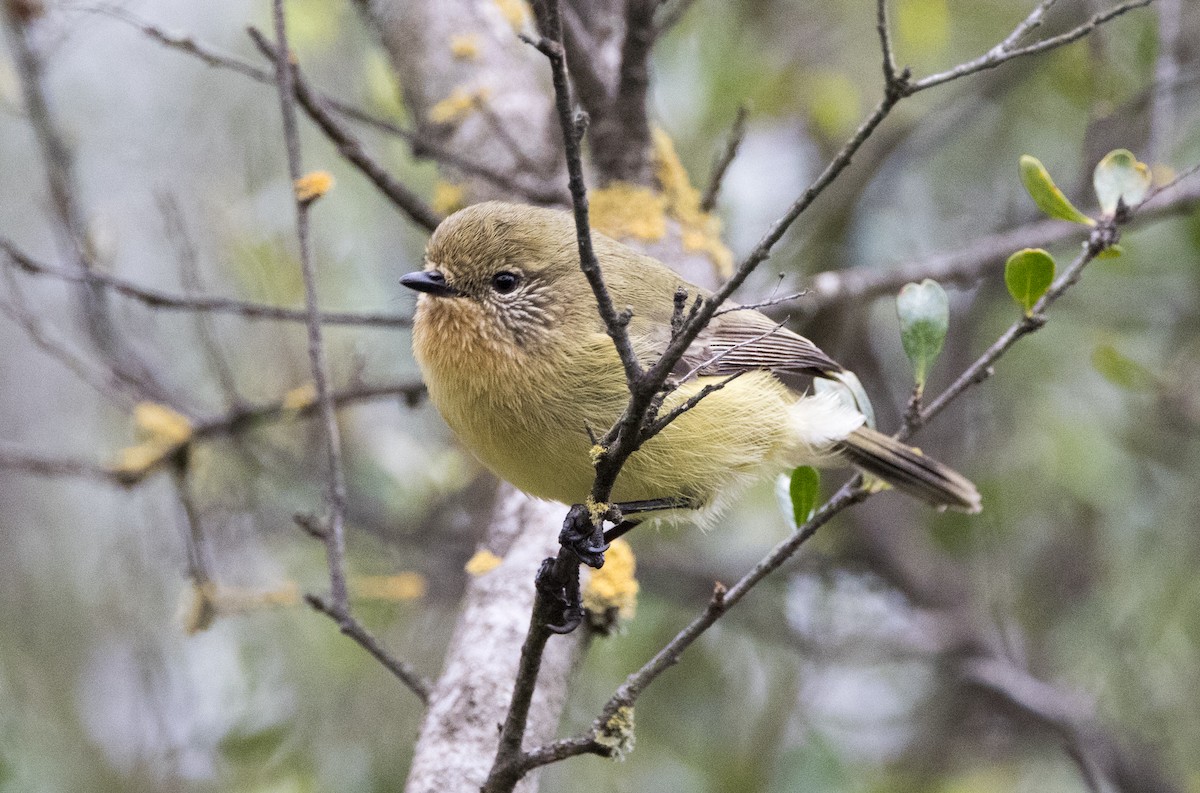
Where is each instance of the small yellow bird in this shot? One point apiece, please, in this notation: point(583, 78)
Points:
point(517, 360)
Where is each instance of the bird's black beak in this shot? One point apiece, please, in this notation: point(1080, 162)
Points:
point(430, 282)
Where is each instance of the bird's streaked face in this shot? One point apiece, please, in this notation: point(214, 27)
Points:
point(486, 282)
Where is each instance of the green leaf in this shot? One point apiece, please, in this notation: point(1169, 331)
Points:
point(1111, 252)
point(1045, 193)
point(804, 489)
point(924, 315)
point(1120, 177)
point(1120, 370)
point(1028, 274)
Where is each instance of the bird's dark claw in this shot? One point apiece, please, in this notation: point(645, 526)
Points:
point(582, 537)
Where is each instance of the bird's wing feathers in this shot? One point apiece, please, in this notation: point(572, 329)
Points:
point(743, 340)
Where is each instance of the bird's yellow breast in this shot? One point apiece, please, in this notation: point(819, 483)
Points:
point(526, 412)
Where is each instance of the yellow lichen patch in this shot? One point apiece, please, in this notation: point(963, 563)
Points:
point(516, 13)
point(460, 104)
point(464, 46)
point(206, 601)
point(160, 431)
point(624, 211)
point(134, 462)
point(398, 587)
point(312, 186)
point(159, 423)
point(597, 511)
point(612, 590)
point(617, 733)
point(448, 197)
point(300, 397)
point(701, 230)
point(482, 562)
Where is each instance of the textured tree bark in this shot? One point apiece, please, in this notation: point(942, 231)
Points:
point(467, 52)
point(471, 47)
point(460, 733)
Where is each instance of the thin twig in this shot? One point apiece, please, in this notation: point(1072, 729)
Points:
point(999, 55)
point(199, 567)
point(14, 458)
point(71, 228)
point(572, 125)
point(1028, 25)
point(970, 263)
point(661, 423)
point(349, 147)
point(768, 303)
point(219, 305)
point(737, 133)
point(883, 27)
point(351, 627)
point(239, 420)
point(189, 273)
point(335, 495)
point(105, 380)
point(420, 145)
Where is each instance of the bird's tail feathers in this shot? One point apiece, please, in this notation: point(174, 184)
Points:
point(908, 470)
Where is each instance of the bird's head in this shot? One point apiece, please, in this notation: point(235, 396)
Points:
point(505, 272)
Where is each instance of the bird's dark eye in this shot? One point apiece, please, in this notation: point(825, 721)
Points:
point(505, 282)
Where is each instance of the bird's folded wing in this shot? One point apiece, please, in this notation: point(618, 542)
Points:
point(739, 341)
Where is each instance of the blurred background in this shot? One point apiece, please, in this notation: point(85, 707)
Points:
point(856, 668)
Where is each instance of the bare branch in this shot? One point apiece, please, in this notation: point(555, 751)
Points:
point(351, 627)
point(572, 125)
point(1004, 52)
point(970, 263)
point(335, 496)
point(199, 567)
point(621, 134)
point(189, 272)
point(1166, 75)
point(420, 145)
point(105, 380)
point(71, 224)
point(220, 305)
point(736, 134)
point(350, 148)
point(883, 27)
point(14, 458)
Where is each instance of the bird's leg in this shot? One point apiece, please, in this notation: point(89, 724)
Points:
point(562, 596)
point(587, 541)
